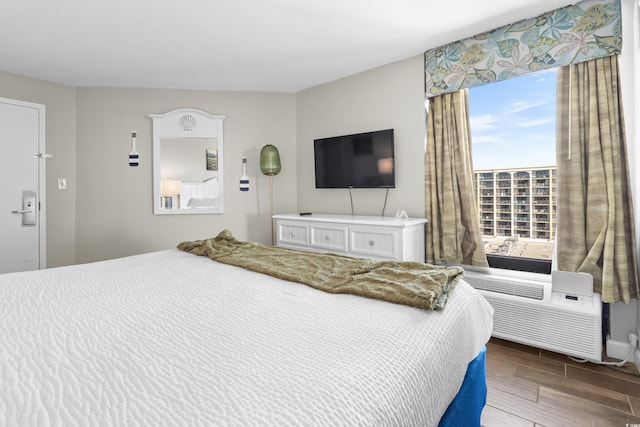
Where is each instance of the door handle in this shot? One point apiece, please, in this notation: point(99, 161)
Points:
point(28, 210)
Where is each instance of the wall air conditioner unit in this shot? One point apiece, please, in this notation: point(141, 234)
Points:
point(563, 316)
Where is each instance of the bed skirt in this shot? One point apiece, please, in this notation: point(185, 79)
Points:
point(466, 408)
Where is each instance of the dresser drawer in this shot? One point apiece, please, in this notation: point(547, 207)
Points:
point(375, 237)
point(375, 242)
point(330, 238)
point(293, 233)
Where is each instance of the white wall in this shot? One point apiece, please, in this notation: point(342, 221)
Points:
point(114, 212)
point(626, 318)
point(391, 96)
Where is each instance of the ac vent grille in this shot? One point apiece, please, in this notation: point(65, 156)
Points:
point(524, 313)
point(506, 286)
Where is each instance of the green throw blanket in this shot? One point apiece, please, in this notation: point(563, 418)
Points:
point(410, 283)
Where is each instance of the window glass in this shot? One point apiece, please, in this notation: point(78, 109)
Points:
point(513, 127)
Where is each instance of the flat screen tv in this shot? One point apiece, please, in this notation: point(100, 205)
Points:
point(363, 160)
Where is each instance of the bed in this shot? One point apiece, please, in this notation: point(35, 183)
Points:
point(198, 195)
point(171, 339)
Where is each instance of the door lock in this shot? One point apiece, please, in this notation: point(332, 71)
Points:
point(28, 210)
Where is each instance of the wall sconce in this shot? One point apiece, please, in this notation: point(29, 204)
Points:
point(270, 166)
point(170, 188)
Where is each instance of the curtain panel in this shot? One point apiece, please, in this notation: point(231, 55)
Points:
point(595, 230)
point(587, 30)
point(453, 230)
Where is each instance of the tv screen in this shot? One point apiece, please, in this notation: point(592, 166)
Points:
point(363, 160)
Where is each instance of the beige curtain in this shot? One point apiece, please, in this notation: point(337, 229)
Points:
point(595, 231)
point(453, 230)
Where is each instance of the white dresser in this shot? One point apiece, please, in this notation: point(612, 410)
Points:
point(377, 237)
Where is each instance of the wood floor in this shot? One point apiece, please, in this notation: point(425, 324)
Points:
point(532, 387)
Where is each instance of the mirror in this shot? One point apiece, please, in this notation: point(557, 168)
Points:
point(187, 162)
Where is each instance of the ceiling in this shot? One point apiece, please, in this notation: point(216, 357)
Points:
point(238, 45)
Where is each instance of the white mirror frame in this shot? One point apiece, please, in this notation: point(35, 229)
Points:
point(186, 124)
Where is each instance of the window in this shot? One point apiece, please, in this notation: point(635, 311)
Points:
point(514, 155)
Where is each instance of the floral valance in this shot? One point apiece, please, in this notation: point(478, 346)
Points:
point(587, 30)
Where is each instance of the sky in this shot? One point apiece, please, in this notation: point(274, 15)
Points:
point(513, 122)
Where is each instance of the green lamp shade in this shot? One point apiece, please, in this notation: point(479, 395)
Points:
point(270, 160)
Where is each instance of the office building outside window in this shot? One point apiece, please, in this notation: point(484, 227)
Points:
point(517, 210)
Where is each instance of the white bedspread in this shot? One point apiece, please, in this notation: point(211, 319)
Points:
point(173, 339)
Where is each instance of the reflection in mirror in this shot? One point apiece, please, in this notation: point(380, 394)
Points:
point(189, 170)
point(187, 146)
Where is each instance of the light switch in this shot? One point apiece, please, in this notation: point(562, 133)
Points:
point(62, 183)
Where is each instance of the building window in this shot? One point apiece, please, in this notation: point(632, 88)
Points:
point(514, 139)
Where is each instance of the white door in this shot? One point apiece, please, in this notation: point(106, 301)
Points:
point(22, 179)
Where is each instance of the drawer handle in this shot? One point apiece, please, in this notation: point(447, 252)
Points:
point(293, 234)
point(372, 242)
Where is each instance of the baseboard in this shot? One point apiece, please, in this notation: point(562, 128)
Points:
point(618, 349)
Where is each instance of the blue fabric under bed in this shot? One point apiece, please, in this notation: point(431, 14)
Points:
point(466, 409)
